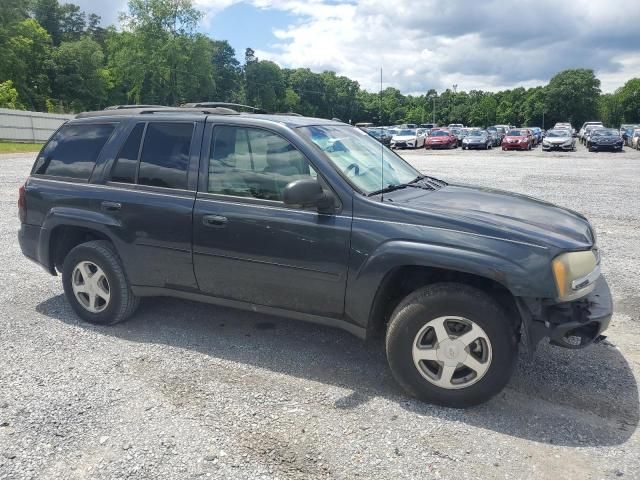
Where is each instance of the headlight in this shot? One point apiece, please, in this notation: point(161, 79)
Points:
point(546, 142)
point(465, 140)
point(575, 274)
point(568, 142)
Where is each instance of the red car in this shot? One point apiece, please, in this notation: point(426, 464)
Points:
point(441, 139)
point(517, 139)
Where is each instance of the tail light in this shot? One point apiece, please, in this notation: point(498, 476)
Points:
point(22, 204)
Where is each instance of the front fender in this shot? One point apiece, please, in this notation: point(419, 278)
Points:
point(73, 217)
point(522, 274)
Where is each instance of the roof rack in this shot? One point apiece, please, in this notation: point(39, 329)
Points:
point(234, 106)
point(124, 107)
point(160, 110)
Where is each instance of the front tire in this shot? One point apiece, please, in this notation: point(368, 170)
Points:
point(95, 284)
point(451, 344)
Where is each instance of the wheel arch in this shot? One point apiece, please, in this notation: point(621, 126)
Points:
point(403, 280)
point(65, 228)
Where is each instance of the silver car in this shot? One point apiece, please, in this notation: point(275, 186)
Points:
point(557, 139)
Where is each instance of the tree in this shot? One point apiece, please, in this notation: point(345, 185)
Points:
point(25, 60)
point(572, 96)
point(72, 21)
point(227, 73)
point(80, 81)
point(47, 14)
point(265, 86)
point(150, 58)
point(628, 97)
point(9, 96)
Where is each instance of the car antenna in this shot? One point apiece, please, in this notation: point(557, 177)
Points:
point(381, 145)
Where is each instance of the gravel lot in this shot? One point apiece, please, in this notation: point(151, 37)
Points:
point(185, 390)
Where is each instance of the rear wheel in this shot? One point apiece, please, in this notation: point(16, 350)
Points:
point(451, 344)
point(95, 284)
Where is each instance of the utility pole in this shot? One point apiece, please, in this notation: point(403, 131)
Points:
point(434, 109)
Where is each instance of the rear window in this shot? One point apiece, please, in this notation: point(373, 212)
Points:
point(73, 150)
point(165, 155)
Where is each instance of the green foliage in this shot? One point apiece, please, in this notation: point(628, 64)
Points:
point(572, 95)
point(9, 96)
point(59, 58)
point(79, 79)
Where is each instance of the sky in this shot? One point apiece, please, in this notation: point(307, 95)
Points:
point(423, 44)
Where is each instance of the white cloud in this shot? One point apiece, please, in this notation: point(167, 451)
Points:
point(487, 45)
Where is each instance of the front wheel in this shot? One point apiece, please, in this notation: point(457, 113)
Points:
point(451, 344)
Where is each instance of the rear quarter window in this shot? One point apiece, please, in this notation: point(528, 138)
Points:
point(73, 150)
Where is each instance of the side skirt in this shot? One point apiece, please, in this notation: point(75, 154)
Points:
point(276, 312)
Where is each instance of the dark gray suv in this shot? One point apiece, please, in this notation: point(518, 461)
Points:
point(314, 220)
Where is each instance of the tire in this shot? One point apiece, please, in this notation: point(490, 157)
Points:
point(430, 304)
point(121, 302)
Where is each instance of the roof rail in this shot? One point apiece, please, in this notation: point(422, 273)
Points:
point(123, 107)
point(234, 106)
point(159, 110)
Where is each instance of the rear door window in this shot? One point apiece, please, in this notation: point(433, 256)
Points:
point(165, 155)
point(73, 150)
point(126, 164)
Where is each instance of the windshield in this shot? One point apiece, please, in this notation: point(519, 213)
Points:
point(406, 132)
point(605, 131)
point(358, 157)
point(475, 133)
point(440, 133)
point(557, 133)
point(516, 133)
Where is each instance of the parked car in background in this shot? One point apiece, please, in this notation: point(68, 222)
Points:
point(364, 125)
point(477, 139)
point(583, 129)
point(537, 135)
point(559, 139)
point(588, 132)
point(428, 126)
point(605, 139)
point(635, 139)
point(441, 139)
point(408, 138)
point(460, 134)
point(627, 134)
point(495, 137)
point(456, 125)
point(381, 134)
point(517, 139)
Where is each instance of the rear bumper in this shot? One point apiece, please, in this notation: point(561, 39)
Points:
point(29, 238)
point(571, 325)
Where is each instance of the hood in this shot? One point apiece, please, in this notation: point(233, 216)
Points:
point(514, 137)
point(501, 214)
point(558, 139)
point(475, 138)
point(438, 139)
point(404, 137)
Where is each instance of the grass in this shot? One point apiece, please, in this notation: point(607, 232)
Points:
point(12, 147)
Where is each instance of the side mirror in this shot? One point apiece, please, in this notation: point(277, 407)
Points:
point(308, 192)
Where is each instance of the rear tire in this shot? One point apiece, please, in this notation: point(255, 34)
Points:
point(103, 301)
point(476, 332)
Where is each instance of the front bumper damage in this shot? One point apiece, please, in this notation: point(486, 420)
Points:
point(571, 325)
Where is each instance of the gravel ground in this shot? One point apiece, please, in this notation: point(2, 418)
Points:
point(185, 390)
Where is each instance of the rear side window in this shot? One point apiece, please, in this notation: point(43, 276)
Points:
point(165, 155)
point(73, 150)
point(124, 169)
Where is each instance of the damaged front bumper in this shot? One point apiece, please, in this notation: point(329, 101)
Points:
point(572, 325)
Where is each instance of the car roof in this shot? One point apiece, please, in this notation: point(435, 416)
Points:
point(199, 113)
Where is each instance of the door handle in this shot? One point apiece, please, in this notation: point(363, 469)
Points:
point(111, 206)
point(214, 221)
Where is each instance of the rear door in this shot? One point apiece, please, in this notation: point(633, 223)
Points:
point(249, 246)
point(150, 192)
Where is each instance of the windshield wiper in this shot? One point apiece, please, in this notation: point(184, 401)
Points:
point(389, 188)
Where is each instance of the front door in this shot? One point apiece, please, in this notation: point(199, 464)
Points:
point(248, 246)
